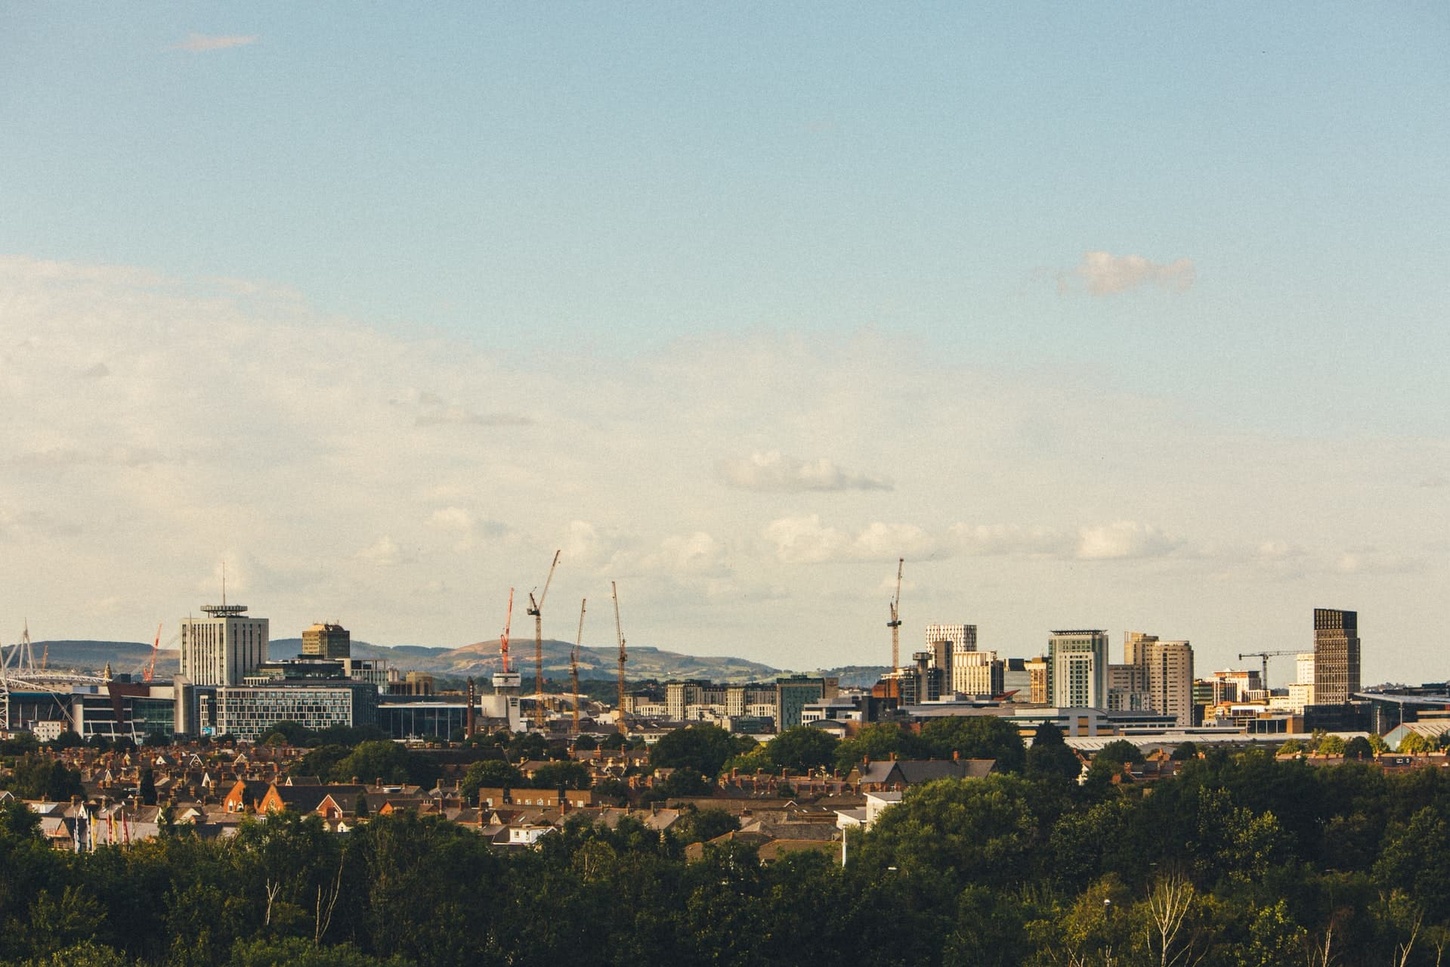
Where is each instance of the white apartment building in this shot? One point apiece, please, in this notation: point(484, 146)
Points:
point(224, 647)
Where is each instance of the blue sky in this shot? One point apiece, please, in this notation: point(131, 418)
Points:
point(1087, 305)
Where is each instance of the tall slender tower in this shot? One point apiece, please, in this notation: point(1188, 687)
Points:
point(1336, 656)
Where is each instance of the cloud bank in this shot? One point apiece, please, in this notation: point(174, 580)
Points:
point(773, 473)
point(1106, 274)
point(403, 485)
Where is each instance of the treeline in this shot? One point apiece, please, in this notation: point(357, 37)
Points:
point(1240, 860)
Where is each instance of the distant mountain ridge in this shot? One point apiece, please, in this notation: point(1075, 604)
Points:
point(480, 659)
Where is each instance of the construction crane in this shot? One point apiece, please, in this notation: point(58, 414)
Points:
point(536, 608)
point(619, 632)
point(895, 623)
point(574, 665)
point(150, 668)
point(503, 639)
point(1263, 657)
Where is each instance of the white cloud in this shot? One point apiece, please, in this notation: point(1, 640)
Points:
point(992, 539)
point(1123, 539)
point(383, 552)
point(773, 472)
point(202, 43)
point(236, 423)
point(1106, 274)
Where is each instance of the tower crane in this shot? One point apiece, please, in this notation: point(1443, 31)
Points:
point(619, 632)
point(1263, 657)
point(503, 639)
point(895, 623)
point(536, 608)
point(574, 665)
point(150, 668)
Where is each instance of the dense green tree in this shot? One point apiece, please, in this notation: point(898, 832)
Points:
point(976, 737)
point(86, 953)
point(802, 749)
point(1049, 757)
point(320, 762)
point(297, 952)
point(977, 830)
point(1358, 748)
point(563, 775)
point(699, 748)
point(700, 825)
point(585, 743)
point(287, 732)
point(384, 759)
point(41, 777)
point(66, 740)
point(489, 774)
point(877, 741)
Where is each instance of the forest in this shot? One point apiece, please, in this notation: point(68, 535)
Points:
point(1241, 859)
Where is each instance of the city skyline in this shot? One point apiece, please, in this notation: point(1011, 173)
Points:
point(1099, 318)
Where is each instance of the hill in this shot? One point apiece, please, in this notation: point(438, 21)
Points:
point(480, 659)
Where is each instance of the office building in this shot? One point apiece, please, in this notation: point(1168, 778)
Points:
point(224, 647)
point(327, 641)
point(1336, 656)
point(1170, 679)
point(1036, 669)
point(946, 641)
point(978, 673)
point(1077, 668)
point(793, 694)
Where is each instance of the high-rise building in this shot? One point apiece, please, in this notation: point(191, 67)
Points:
point(224, 647)
point(945, 641)
point(1077, 668)
point(1336, 656)
point(978, 673)
point(1170, 679)
point(1037, 692)
point(794, 693)
point(328, 641)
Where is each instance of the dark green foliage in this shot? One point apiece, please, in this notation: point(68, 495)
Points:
point(562, 775)
point(490, 774)
point(878, 741)
point(700, 825)
point(1049, 757)
point(41, 777)
point(699, 748)
point(976, 737)
point(1267, 861)
point(802, 748)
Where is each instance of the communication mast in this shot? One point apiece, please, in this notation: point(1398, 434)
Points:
point(895, 623)
point(536, 608)
point(574, 665)
point(619, 632)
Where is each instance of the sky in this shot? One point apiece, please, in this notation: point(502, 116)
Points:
point(1123, 316)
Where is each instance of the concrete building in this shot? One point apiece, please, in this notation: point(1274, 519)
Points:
point(793, 694)
point(1077, 668)
point(224, 647)
point(1165, 674)
point(1336, 656)
point(248, 711)
point(327, 641)
point(946, 641)
point(1036, 680)
point(978, 673)
point(1170, 679)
